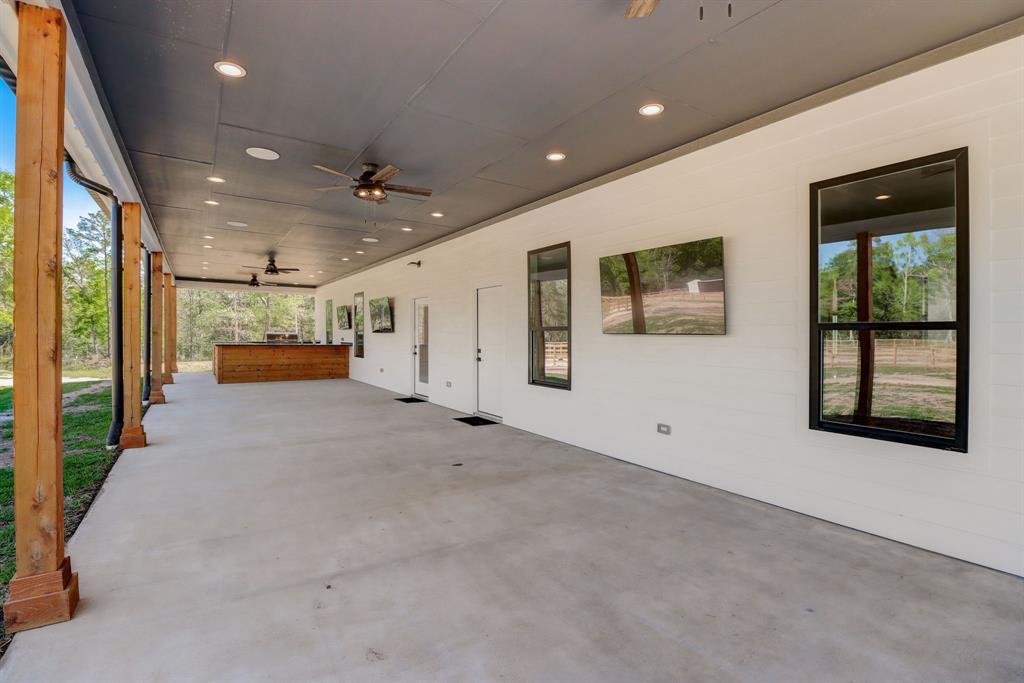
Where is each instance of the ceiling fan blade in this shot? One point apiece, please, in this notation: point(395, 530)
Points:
point(256, 267)
point(287, 270)
point(406, 189)
point(332, 171)
point(638, 9)
point(385, 174)
point(331, 188)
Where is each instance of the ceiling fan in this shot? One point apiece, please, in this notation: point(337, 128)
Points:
point(372, 185)
point(271, 267)
point(255, 282)
point(638, 9)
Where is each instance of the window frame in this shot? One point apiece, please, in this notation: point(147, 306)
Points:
point(961, 326)
point(358, 332)
point(531, 368)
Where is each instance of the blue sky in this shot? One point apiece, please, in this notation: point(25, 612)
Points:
point(77, 201)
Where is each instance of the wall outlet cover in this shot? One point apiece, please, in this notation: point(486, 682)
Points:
point(664, 428)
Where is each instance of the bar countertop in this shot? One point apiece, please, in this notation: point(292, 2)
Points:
point(280, 343)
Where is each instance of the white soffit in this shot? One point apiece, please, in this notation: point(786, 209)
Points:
point(87, 134)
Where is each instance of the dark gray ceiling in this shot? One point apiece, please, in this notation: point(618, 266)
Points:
point(467, 96)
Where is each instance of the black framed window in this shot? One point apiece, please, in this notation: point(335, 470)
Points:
point(889, 302)
point(550, 316)
point(358, 326)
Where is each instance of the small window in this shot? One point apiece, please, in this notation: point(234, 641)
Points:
point(550, 316)
point(357, 323)
point(889, 302)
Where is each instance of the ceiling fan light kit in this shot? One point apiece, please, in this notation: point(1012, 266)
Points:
point(372, 184)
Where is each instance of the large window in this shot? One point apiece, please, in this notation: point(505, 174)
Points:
point(889, 302)
point(358, 325)
point(550, 316)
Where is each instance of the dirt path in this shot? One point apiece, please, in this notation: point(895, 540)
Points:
point(7, 445)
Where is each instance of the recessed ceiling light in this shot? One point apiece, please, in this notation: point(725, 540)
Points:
point(406, 229)
point(359, 251)
point(262, 153)
point(207, 246)
point(206, 263)
point(238, 224)
point(883, 197)
point(652, 109)
point(203, 276)
point(229, 69)
point(371, 240)
point(211, 202)
point(207, 237)
point(215, 179)
point(437, 214)
point(345, 258)
point(319, 271)
point(311, 276)
point(206, 268)
point(555, 156)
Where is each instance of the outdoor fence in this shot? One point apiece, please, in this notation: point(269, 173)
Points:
point(937, 355)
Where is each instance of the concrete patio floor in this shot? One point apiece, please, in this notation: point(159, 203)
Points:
point(319, 531)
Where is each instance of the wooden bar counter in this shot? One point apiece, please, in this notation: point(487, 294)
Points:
point(278, 362)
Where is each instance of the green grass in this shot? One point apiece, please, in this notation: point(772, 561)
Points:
point(7, 393)
point(96, 398)
point(86, 464)
point(102, 373)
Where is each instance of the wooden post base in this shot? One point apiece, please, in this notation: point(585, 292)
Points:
point(133, 437)
point(168, 378)
point(156, 397)
point(41, 599)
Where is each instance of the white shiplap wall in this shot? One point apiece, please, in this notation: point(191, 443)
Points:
point(738, 404)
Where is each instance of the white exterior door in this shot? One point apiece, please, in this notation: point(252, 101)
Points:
point(421, 347)
point(490, 343)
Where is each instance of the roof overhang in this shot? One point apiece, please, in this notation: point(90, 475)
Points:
point(88, 134)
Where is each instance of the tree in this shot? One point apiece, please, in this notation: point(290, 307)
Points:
point(208, 316)
point(87, 288)
point(6, 263)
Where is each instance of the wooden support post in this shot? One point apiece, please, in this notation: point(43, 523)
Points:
point(132, 434)
point(44, 590)
point(172, 322)
point(156, 290)
point(170, 332)
point(865, 338)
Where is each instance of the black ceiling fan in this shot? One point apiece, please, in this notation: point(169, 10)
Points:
point(255, 282)
point(271, 268)
point(372, 185)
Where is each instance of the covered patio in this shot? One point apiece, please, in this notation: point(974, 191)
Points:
point(778, 488)
point(324, 531)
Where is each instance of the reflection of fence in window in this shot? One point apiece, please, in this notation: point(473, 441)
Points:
point(556, 355)
point(937, 355)
point(612, 304)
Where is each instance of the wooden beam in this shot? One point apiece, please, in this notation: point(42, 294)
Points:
point(170, 329)
point(156, 291)
point(132, 434)
point(865, 338)
point(44, 590)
